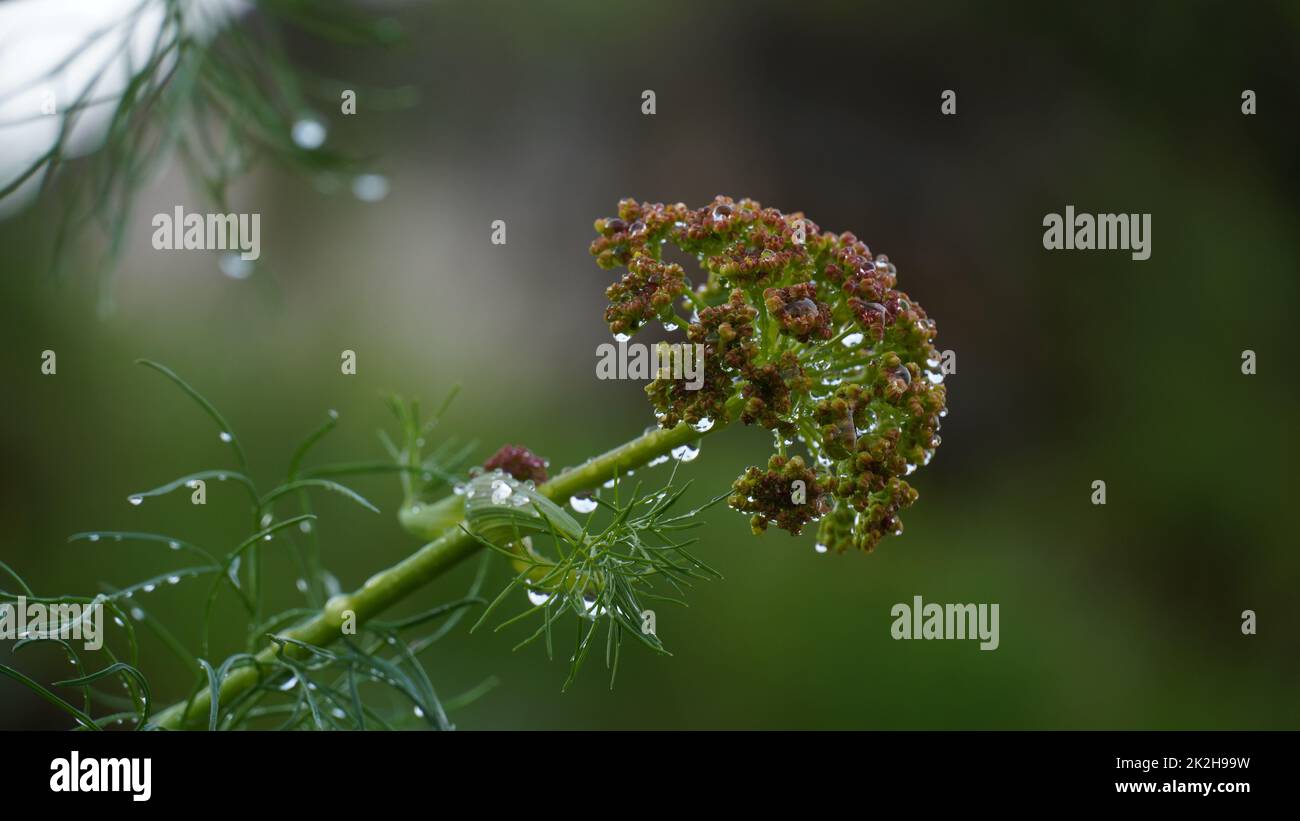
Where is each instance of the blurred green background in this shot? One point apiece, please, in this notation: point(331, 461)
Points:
point(1072, 366)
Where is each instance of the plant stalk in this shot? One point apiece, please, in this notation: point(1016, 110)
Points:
point(449, 545)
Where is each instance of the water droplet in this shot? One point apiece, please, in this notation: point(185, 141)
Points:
point(458, 489)
point(225, 436)
point(590, 608)
point(235, 266)
point(301, 584)
point(911, 468)
point(877, 324)
point(305, 526)
point(135, 500)
point(820, 548)
point(148, 588)
point(308, 133)
point(686, 453)
point(800, 309)
point(582, 503)
point(119, 623)
point(337, 712)
point(621, 337)
point(537, 598)
point(221, 477)
point(173, 579)
point(658, 460)
point(267, 518)
point(268, 537)
point(636, 229)
point(94, 537)
point(137, 614)
point(333, 414)
point(721, 213)
point(500, 492)
point(852, 340)
point(370, 187)
point(703, 426)
point(608, 484)
point(290, 684)
point(669, 326)
point(418, 712)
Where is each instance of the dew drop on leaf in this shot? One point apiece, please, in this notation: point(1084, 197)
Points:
point(500, 492)
point(686, 453)
point(537, 598)
point(582, 503)
point(308, 133)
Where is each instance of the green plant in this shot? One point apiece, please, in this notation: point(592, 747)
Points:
point(803, 333)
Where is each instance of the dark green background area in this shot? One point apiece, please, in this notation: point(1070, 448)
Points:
point(1072, 366)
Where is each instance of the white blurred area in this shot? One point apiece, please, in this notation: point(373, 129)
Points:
point(54, 53)
point(396, 263)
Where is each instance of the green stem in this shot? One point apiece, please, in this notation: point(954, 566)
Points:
point(448, 546)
